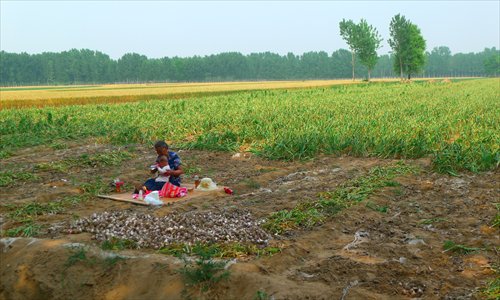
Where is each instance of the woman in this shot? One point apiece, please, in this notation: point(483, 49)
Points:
point(175, 172)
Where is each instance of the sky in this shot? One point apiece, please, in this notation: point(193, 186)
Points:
point(187, 28)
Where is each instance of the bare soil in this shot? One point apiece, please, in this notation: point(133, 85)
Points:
point(361, 253)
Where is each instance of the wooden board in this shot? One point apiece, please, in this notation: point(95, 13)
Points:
point(123, 198)
point(192, 193)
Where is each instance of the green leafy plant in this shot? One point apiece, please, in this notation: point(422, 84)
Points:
point(191, 169)
point(496, 219)
point(94, 188)
point(110, 158)
point(375, 207)
point(78, 254)
point(228, 250)
point(59, 145)
point(492, 290)
point(118, 244)
point(5, 154)
point(28, 229)
point(299, 216)
point(261, 295)
point(111, 261)
point(8, 178)
point(34, 209)
point(251, 183)
point(432, 221)
point(204, 272)
point(450, 246)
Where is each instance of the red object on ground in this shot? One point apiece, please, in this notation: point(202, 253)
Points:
point(118, 185)
point(172, 191)
point(228, 191)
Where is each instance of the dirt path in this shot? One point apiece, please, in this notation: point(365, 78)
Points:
point(389, 246)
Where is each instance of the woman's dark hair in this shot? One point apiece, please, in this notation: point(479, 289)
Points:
point(161, 144)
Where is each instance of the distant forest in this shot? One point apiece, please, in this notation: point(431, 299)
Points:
point(94, 67)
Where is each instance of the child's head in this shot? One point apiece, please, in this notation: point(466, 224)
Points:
point(163, 161)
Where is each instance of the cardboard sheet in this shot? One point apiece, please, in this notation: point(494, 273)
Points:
point(192, 193)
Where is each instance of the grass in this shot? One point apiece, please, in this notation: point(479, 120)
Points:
point(118, 244)
point(492, 290)
point(28, 229)
point(301, 216)
point(261, 295)
point(78, 254)
point(496, 219)
point(306, 215)
point(8, 178)
point(94, 188)
point(111, 158)
point(432, 221)
point(375, 207)
point(230, 250)
point(110, 262)
point(204, 272)
point(58, 145)
point(5, 154)
point(249, 182)
point(450, 246)
point(35, 209)
point(191, 170)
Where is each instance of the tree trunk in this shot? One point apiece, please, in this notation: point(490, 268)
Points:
point(369, 71)
point(352, 62)
point(400, 68)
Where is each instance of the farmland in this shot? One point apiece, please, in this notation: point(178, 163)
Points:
point(382, 190)
point(40, 96)
point(455, 123)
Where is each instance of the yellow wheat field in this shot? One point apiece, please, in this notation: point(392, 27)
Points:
point(83, 94)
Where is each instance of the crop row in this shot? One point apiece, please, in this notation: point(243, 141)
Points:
point(457, 124)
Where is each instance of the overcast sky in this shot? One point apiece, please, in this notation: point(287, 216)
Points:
point(187, 28)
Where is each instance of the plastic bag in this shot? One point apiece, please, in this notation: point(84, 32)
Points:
point(153, 198)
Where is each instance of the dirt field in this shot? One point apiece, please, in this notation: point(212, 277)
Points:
point(361, 253)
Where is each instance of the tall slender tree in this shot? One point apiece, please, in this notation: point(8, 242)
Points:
point(349, 32)
point(397, 30)
point(368, 42)
point(408, 46)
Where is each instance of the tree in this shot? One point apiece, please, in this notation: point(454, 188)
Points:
point(368, 42)
point(415, 55)
point(492, 65)
point(492, 62)
point(408, 46)
point(438, 62)
point(348, 31)
point(397, 41)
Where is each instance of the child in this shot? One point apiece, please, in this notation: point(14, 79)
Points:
point(162, 168)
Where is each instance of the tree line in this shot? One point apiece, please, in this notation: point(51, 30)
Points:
point(408, 57)
point(91, 67)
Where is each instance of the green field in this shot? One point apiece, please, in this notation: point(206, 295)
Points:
point(457, 124)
